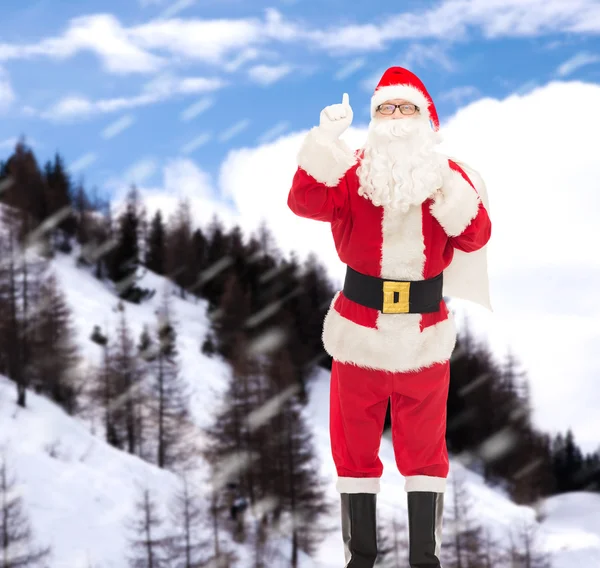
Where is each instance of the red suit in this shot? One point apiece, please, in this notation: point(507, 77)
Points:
point(401, 357)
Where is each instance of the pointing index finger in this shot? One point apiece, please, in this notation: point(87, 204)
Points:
point(345, 99)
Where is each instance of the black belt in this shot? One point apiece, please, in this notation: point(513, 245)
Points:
point(393, 296)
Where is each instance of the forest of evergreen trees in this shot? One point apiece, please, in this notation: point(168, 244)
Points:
point(266, 313)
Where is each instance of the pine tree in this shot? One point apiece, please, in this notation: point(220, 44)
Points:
point(179, 248)
point(125, 257)
point(156, 246)
point(298, 489)
point(26, 194)
point(17, 547)
point(198, 259)
point(55, 351)
point(234, 309)
point(128, 387)
point(118, 389)
point(234, 442)
point(170, 415)
point(210, 282)
point(149, 541)
point(59, 197)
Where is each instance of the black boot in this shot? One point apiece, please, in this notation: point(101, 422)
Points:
point(425, 510)
point(359, 529)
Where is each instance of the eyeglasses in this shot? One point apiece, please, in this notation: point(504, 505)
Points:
point(405, 108)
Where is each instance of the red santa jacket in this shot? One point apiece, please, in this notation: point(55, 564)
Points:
point(378, 241)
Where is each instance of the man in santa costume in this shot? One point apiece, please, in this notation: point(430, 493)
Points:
point(407, 222)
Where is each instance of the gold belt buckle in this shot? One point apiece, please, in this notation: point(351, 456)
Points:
point(396, 297)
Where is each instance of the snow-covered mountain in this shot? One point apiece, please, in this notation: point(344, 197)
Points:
point(79, 491)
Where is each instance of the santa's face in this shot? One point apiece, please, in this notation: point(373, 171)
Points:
point(400, 167)
point(394, 109)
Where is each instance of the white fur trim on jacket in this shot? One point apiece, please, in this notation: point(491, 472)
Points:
point(358, 485)
point(456, 205)
point(425, 483)
point(325, 160)
point(406, 92)
point(397, 344)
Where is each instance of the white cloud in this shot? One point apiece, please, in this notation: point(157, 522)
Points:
point(542, 178)
point(203, 40)
point(183, 179)
point(101, 34)
point(148, 47)
point(576, 62)
point(161, 88)
point(268, 74)
point(452, 20)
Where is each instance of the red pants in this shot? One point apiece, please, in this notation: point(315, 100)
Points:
point(358, 403)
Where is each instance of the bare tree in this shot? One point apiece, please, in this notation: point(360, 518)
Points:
point(128, 383)
point(149, 542)
point(17, 548)
point(20, 274)
point(463, 547)
point(189, 548)
point(103, 390)
point(179, 244)
point(55, 351)
point(167, 400)
point(524, 551)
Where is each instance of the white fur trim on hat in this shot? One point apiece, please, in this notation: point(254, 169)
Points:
point(407, 92)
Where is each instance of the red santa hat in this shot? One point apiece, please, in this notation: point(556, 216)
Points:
point(400, 83)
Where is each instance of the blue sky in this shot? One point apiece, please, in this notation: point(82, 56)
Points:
point(112, 84)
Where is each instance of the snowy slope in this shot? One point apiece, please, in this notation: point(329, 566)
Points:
point(570, 529)
point(79, 499)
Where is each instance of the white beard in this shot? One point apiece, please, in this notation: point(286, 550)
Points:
point(400, 166)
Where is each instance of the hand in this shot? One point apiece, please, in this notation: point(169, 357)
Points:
point(335, 119)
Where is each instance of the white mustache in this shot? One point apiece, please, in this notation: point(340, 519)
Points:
point(398, 128)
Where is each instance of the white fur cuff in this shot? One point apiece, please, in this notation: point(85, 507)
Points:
point(358, 485)
point(325, 160)
point(457, 205)
point(396, 345)
point(425, 483)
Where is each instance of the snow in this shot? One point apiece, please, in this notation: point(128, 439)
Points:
point(79, 491)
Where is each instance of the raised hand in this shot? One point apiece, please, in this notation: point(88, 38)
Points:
point(335, 119)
